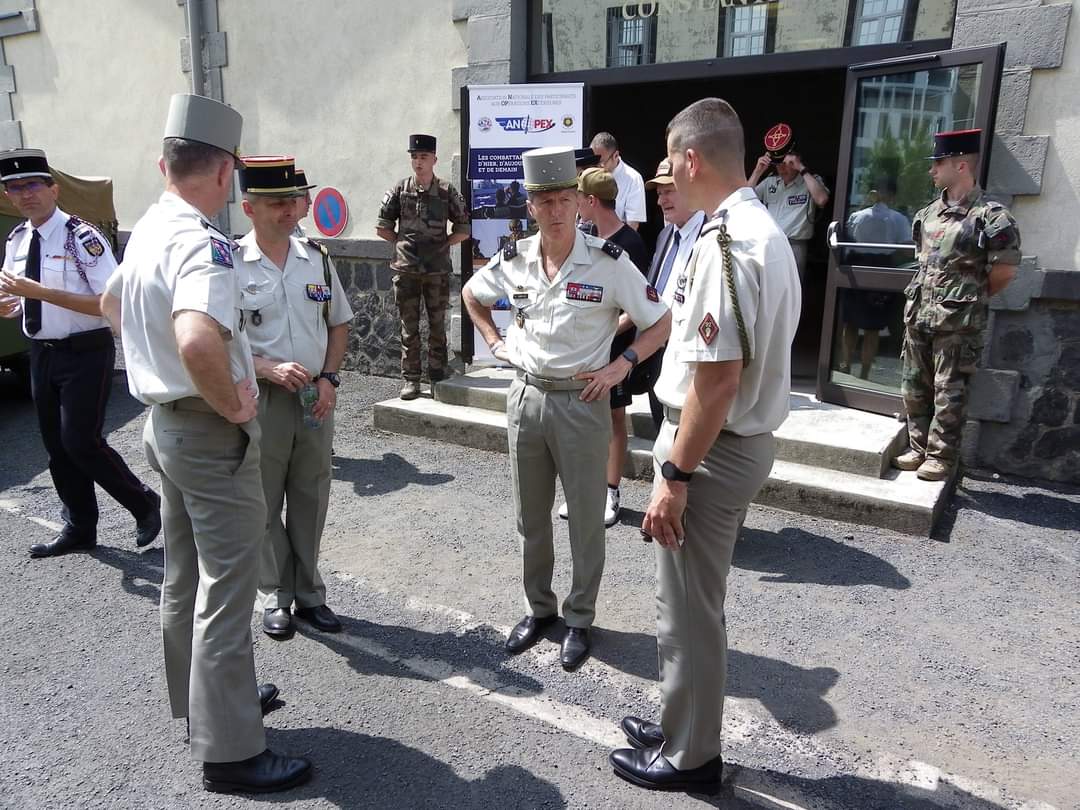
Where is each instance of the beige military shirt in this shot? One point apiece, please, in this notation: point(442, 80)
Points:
point(289, 312)
point(175, 261)
point(790, 205)
point(704, 329)
point(566, 325)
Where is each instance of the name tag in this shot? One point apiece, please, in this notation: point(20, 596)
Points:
point(521, 296)
point(797, 199)
point(584, 292)
point(318, 292)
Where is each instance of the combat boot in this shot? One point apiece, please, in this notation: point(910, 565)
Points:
point(411, 389)
point(909, 460)
point(934, 470)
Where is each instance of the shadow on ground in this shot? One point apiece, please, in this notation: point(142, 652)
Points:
point(359, 770)
point(380, 476)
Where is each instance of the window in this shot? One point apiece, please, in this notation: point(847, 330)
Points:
point(878, 22)
point(632, 34)
point(747, 30)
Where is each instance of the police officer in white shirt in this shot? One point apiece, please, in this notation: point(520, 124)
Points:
point(793, 196)
point(55, 269)
point(725, 384)
point(673, 247)
point(567, 290)
point(176, 302)
point(630, 204)
point(298, 326)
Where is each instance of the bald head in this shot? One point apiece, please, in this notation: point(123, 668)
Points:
point(712, 128)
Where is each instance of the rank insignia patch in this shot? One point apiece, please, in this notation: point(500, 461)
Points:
point(708, 328)
point(93, 246)
point(584, 292)
point(220, 253)
point(651, 293)
point(318, 292)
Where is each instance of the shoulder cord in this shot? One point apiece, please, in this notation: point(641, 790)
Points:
point(71, 247)
point(724, 240)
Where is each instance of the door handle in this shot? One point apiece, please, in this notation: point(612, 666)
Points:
point(834, 244)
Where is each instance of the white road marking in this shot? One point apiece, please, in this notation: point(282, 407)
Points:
point(15, 508)
point(48, 524)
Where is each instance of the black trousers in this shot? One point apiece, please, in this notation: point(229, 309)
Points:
point(71, 380)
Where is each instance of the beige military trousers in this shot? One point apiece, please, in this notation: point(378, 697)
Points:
point(213, 517)
point(691, 584)
point(552, 432)
point(295, 472)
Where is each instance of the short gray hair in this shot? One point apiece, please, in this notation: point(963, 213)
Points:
point(184, 158)
point(712, 128)
point(604, 140)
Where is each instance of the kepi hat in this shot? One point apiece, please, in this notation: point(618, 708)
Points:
point(549, 168)
point(15, 164)
point(422, 143)
point(302, 181)
point(584, 158)
point(269, 176)
point(204, 120)
point(779, 141)
point(955, 143)
point(663, 175)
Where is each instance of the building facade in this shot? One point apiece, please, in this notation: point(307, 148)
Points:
point(341, 86)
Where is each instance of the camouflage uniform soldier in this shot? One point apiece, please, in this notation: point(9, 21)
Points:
point(419, 207)
point(968, 248)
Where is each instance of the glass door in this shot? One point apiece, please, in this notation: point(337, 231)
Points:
point(891, 111)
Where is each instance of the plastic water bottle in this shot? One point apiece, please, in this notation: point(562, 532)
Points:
point(309, 395)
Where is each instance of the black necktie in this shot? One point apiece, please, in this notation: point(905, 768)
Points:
point(32, 306)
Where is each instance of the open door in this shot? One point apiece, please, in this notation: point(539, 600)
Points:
point(892, 109)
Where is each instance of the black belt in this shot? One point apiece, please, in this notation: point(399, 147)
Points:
point(79, 342)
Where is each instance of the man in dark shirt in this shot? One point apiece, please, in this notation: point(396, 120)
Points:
point(597, 191)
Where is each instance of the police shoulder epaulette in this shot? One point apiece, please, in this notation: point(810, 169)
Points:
point(511, 250)
point(319, 246)
point(17, 229)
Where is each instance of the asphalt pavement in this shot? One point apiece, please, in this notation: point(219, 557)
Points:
point(867, 669)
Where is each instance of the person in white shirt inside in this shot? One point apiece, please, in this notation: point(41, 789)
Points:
point(630, 204)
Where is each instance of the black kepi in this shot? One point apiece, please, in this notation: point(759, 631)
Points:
point(269, 175)
point(16, 164)
point(955, 143)
point(422, 143)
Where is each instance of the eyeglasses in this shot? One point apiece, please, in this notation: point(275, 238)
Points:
point(30, 187)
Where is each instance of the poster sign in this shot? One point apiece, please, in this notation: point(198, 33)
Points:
point(504, 121)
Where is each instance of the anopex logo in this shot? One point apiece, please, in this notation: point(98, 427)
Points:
point(525, 124)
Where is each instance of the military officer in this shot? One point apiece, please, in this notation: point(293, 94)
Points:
point(725, 384)
point(55, 269)
point(968, 249)
point(175, 300)
point(567, 290)
point(298, 325)
point(413, 216)
point(303, 201)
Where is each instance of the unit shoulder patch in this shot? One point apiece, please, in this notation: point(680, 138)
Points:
point(220, 252)
point(651, 293)
point(708, 328)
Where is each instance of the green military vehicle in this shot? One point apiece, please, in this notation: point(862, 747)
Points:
point(89, 198)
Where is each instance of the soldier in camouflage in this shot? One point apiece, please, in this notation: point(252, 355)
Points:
point(413, 216)
point(968, 248)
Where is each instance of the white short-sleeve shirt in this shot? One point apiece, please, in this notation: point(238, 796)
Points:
point(286, 311)
point(630, 202)
point(704, 327)
point(565, 326)
point(175, 261)
point(75, 257)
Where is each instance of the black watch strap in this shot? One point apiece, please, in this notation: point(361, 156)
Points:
point(332, 377)
point(630, 355)
point(672, 473)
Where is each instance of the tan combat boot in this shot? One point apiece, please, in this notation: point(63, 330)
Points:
point(908, 460)
point(934, 470)
point(411, 389)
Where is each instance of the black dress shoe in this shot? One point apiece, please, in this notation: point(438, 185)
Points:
point(268, 693)
point(321, 618)
point(647, 768)
point(278, 623)
point(575, 648)
point(527, 632)
point(63, 544)
point(149, 526)
point(263, 773)
point(641, 733)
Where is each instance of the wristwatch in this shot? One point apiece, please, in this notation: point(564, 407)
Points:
point(673, 473)
point(804, 171)
point(331, 376)
point(630, 355)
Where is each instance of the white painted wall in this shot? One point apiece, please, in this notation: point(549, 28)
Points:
point(341, 85)
point(92, 90)
point(1050, 222)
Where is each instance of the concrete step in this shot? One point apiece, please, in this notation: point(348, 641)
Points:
point(815, 433)
point(900, 501)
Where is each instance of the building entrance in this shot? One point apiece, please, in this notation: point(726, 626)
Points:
point(811, 102)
